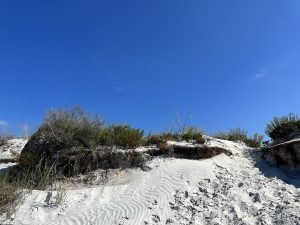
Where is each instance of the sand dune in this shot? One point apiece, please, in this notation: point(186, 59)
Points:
point(13, 146)
point(220, 190)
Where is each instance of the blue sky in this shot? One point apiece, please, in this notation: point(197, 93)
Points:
point(225, 64)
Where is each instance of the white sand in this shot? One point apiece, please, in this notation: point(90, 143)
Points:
point(221, 190)
point(11, 147)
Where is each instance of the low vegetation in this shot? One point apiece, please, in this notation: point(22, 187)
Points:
point(281, 128)
point(72, 141)
point(18, 180)
point(157, 139)
point(193, 134)
point(122, 136)
point(187, 134)
point(68, 128)
point(60, 196)
point(239, 134)
point(66, 133)
point(10, 196)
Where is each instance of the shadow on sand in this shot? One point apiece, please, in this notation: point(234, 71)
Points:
point(271, 171)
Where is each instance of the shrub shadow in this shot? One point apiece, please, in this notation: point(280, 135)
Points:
point(272, 171)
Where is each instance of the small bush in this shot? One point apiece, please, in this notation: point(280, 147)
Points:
point(121, 136)
point(70, 128)
point(222, 135)
point(156, 139)
point(169, 136)
point(283, 127)
point(76, 128)
point(255, 141)
point(62, 130)
point(239, 134)
point(153, 140)
point(189, 134)
point(193, 133)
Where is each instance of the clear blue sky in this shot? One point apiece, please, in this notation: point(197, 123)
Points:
point(227, 63)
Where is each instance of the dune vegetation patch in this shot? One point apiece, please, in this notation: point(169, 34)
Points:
point(189, 134)
point(71, 142)
point(284, 148)
point(18, 180)
point(76, 142)
point(73, 134)
point(283, 128)
point(10, 197)
point(239, 134)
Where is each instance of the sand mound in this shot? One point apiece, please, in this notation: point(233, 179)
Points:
point(220, 190)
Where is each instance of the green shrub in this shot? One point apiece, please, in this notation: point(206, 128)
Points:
point(222, 135)
point(153, 140)
point(121, 136)
point(255, 141)
point(169, 136)
point(193, 133)
point(282, 127)
point(156, 139)
point(239, 134)
point(75, 128)
point(189, 134)
point(68, 128)
point(236, 134)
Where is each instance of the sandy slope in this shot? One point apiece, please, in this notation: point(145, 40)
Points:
point(221, 190)
point(11, 147)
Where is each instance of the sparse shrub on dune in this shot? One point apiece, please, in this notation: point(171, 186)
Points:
point(153, 139)
point(73, 127)
point(189, 134)
point(170, 136)
point(156, 139)
point(283, 148)
point(222, 135)
point(239, 134)
point(77, 142)
point(281, 128)
point(123, 136)
point(256, 141)
point(67, 132)
point(193, 133)
point(61, 130)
